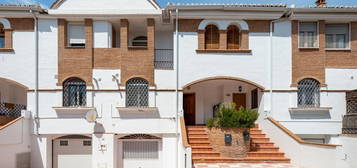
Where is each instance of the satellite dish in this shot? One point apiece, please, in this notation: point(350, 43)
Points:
point(91, 116)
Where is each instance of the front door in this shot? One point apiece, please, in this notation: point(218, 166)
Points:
point(189, 107)
point(240, 100)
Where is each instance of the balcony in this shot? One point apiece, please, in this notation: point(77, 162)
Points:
point(164, 59)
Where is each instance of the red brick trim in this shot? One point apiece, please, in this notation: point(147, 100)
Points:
point(223, 51)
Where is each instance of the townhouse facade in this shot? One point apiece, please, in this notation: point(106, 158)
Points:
point(113, 84)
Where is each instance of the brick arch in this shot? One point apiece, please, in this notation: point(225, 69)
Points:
point(5, 23)
point(224, 78)
point(223, 24)
point(308, 77)
point(87, 81)
point(123, 83)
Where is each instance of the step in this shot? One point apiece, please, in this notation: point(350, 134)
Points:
point(196, 137)
point(213, 160)
point(267, 148)
point(267, 144)
point(199, 142)
point(257, 135)
point(205, 154)
point(196, 129)
point(256, 132)
point(260, 139)
point(201, 147)
point(196, 126)
point(197, 132)
point(265, 160)
point(266, 154)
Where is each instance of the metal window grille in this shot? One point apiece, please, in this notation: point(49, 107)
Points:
point(140, 150)
point(308, 93)
point(74, 92)
point(13, 110)
point(164, 59)
point(137, 93)
point(350, 119)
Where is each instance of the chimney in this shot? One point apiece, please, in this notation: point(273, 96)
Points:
point(320, 3)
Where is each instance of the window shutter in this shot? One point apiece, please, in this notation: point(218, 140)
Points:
point(337, 29)
point(76, 34)
point(308, 27)
point(212, 37)
point(233, 37)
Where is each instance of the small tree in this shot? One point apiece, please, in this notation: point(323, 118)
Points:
point(229, 117)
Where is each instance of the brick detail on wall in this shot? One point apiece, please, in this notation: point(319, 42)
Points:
point(201, 39)
point(261, 26)
point(244, 42)
point(222, 39)
point(138, 61)
point(75, 62)
point(22, 24)
point(8, 38)
point(311, 63)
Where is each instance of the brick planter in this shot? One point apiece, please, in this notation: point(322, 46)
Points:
point(238, 148)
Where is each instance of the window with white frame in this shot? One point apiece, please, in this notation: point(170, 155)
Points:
point(308, 35)
point(76, 35)
point(308, 93)
point(337, 35)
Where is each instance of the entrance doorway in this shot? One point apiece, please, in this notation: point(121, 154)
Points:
point(189, 107)
point(240, 100)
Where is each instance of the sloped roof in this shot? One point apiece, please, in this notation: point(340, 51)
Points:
point(57, 3)
point(21, 7)
point(226, 5)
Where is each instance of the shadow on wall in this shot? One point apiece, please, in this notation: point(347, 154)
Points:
point(23, 160)
point(310, 114)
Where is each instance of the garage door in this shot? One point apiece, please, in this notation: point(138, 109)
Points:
point(141, 154)
point(72, 153)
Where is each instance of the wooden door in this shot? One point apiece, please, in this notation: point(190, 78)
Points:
point(189, 107)
point(240, 100)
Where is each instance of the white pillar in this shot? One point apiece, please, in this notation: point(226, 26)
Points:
point(104, 151)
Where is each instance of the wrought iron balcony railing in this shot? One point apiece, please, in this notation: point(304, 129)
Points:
point(13, 110)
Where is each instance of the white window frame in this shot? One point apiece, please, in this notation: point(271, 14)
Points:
point(317, 34)
point(349, 38)
point(68, 34)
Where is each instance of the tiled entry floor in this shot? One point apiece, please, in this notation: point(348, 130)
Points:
point(242, 165)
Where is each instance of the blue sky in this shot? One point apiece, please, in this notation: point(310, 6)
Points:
point(47, 3)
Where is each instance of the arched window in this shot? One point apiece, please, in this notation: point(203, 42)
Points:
point(74, 92)
point(137, 93)
point(2, 36)
point(140, 41)
point(211, 37)
point(308, 93)
point(233, 37)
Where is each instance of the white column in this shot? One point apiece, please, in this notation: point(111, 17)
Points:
point(104, 151)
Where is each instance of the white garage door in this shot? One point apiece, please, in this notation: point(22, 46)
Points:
point(72, 153)
point(141, 154)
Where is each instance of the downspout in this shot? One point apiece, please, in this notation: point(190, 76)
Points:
point(177, 87)
point(36, 72)
point(271, 63)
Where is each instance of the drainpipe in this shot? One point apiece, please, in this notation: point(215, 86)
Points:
point(271, 63)
point(36, 72)
point(177, 87)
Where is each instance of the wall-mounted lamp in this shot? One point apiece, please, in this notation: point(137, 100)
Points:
point(240, 88)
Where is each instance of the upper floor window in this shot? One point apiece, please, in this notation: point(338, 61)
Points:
point(233, 37)
point(212, 37)
point(76, 35)
point(137, 93)
point(308, 93)
point(74, 92)
point(308, 35)
point(140, 41)
point(337, 35)
point(2, 36)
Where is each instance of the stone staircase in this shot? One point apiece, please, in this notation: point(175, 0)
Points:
point(262, 149)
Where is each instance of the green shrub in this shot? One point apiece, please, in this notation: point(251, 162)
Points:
point(211, 122)
point(229, 117)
